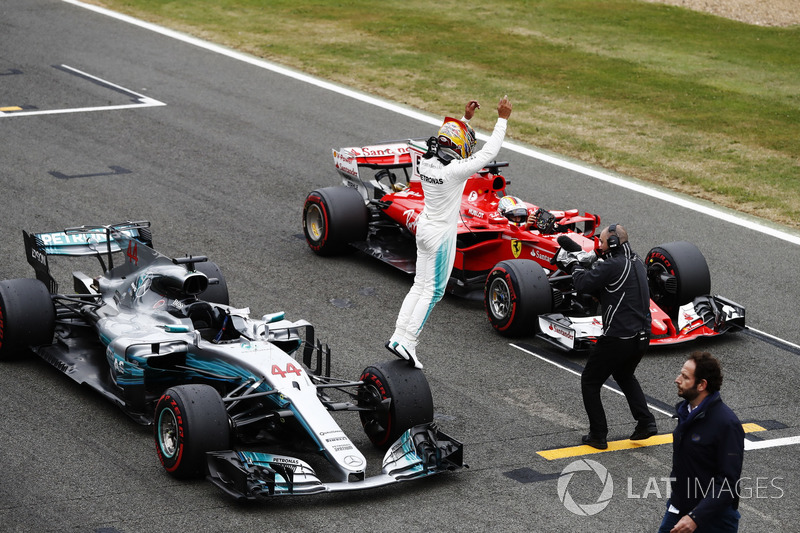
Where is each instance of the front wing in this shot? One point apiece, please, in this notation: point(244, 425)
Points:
point(420, 452)
point(705, 316)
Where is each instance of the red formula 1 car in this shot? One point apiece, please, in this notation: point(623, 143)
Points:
point(507, 264)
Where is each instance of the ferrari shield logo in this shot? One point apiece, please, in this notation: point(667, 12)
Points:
point(516, 248)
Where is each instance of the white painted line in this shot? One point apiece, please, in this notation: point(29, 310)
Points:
point(748, 444)
point(774, 338)
point(77, 110)
point(772, 443)
point(661, 194)
point(654, 408)
point(144, 101)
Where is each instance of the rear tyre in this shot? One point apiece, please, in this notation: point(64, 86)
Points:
point(410, 401)
point(516, 293)
point(217, 293)
point(677, 273)
point(333, 217)
point(190, 420)
point(27, 315)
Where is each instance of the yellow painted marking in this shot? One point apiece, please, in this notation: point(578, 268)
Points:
point(625, 444)
point(11, 108)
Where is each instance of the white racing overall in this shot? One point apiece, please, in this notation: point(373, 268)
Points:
point(437, 228)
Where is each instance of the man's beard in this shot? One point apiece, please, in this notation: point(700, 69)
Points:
point(689, 394)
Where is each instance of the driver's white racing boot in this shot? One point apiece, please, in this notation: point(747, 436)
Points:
point(404, 352)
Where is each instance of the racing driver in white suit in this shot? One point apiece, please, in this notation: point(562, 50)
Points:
point(443, 173)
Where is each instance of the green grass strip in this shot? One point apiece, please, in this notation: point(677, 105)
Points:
point(693, 102)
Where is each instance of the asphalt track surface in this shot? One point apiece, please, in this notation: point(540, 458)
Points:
point(219, 154)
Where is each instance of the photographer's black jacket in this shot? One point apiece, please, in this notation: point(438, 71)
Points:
point(620, 283)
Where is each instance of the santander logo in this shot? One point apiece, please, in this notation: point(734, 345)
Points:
point(568, 334)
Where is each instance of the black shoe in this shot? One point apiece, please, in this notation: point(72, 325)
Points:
point(594, 442)
point(641, 433)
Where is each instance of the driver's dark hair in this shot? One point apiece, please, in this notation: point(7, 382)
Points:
point(707, 367)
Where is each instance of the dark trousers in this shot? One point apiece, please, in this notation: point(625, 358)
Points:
point(619, 358)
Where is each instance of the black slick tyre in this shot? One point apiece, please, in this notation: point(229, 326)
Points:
point(410, 401)
point(333, 217)
point(677, 273)
point(189, 421)
point(27, 315)
point(515, 294)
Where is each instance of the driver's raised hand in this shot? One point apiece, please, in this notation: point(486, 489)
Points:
point(504, 107)
point(470, 108)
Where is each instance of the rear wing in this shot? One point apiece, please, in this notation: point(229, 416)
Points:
point(381, 160)
point(388, 155)
point(392, 154)
point(385, 155)
point(82, 241)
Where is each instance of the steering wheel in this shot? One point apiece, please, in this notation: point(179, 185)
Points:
point(545, 220)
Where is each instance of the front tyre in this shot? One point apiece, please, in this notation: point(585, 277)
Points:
point(190, 420)
point(333, 217)
point(516, 293)
point(27, 315)
point(677, 273)
point(409, 401)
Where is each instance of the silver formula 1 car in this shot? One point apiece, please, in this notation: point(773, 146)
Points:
point(158, 337)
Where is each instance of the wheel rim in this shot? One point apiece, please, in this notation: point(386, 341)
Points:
point(375, 423)
point(168, 433)
point(499, 298)
point(658, 287)
point(315, 222)
point(375, 426)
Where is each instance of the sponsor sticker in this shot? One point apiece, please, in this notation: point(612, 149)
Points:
point(345, 163)
point(411, 220)
point(538, 254)
point(564, 332)
point(516, 247)
point(385, 150)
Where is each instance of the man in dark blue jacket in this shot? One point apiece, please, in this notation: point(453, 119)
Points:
point(619, 281)
point(707, 454)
